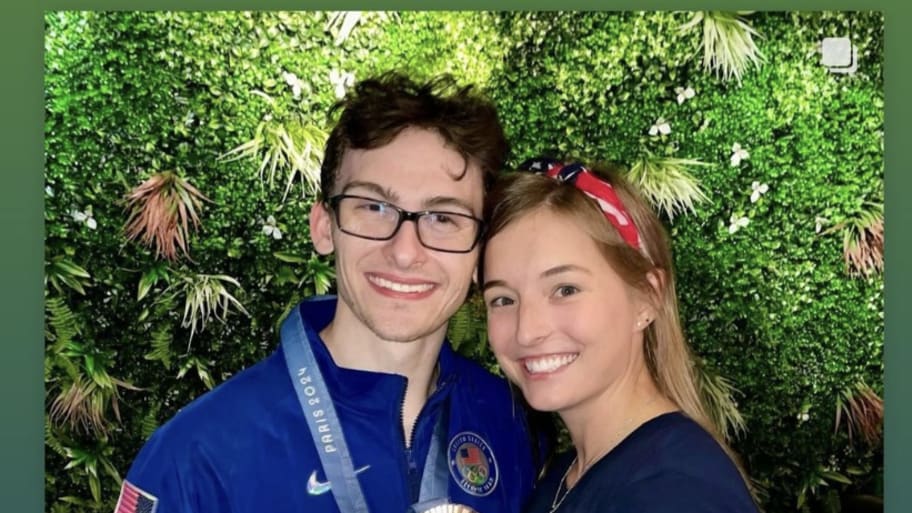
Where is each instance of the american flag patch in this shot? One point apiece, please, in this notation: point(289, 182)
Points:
point(135, 500)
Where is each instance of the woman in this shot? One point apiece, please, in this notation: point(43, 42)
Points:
point(582, 317)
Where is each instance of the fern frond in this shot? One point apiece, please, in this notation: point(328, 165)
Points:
point(161, 347)
point(150, 421)
point(63, 321)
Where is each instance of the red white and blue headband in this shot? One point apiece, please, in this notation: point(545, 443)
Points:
point(586, 181)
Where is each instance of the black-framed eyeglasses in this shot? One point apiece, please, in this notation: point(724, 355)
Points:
point(373, 219)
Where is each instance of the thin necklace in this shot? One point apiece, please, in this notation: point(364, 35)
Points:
point(558, 496)
point(562, 485)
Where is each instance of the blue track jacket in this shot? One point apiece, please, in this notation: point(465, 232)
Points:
point(244, 447)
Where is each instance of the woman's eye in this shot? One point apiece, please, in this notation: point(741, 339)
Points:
point(566, 290)
point(500, 301)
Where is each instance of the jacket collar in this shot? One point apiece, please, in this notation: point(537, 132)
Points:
point(364, 390)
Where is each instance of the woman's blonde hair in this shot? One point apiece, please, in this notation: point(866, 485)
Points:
point(667, 354)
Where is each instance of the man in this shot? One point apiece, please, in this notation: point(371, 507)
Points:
point(365, 407)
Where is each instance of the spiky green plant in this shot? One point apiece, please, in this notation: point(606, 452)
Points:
point(815, 481)
point(76, 376)
point(667, 183)
point(728, 45)
point(719, 396)
point(162, 210)
point(863, 411)
point(202, 371)
point(206, 296)
point(91, 461)
point(863, 240)
point(86, 390)
point(289, 147)
point(60, 271)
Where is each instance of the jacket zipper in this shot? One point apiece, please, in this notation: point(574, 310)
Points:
point(413, 478)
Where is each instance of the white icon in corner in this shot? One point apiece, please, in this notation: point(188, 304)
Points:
point(838, 55)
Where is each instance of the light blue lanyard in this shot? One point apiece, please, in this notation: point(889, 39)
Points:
point(323, 422)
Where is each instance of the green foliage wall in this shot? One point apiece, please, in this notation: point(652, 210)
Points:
point(769, 306)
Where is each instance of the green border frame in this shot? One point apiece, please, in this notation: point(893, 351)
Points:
point(22, 207)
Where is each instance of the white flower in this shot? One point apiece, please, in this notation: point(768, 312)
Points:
point(819, 222)
point(803, 416)
point(84, 217)
point(738, 154)
point(270, 228)
point(758, 189)
point(684, 94)
point(737, 223)
point(660, 127)
point(294, 82)
point(341, 81)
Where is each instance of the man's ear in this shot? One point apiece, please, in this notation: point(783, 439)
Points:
point(321, 228)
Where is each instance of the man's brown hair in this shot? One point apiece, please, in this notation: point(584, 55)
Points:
point(376, 110)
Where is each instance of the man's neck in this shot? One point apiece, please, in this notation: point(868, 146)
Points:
point(353, 346)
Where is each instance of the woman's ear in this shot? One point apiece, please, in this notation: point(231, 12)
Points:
point(650, 305)
point(321, 228)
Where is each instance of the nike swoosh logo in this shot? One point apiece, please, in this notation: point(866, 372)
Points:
point(315, 487)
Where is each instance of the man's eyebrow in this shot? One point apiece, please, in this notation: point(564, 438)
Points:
point(385, 193)
point(448, 201)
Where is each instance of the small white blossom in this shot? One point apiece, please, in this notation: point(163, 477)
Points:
point(660, 127)
point(270, 228)
point(737, 223)
point(738, 154)
point(819, 222)
point(803, 416)
point(294, 82)
point(684, 94)
point(341, 81)
point(84, 217)
point(758, 189)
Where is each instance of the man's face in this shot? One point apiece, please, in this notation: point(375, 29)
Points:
point(399, 289)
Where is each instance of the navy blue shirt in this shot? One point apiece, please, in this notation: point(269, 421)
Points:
point(668, 465)
point(244, 447)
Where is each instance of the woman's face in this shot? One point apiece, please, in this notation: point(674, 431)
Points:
point(562, 323)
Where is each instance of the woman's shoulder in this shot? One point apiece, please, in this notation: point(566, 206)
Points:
point(672, 461)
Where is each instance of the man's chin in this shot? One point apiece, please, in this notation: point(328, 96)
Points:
point(398, 334)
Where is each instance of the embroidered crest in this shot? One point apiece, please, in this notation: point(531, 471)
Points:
point(472, 464)
point(135, 500)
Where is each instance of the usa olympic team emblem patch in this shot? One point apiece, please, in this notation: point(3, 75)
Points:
point(472, 464)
